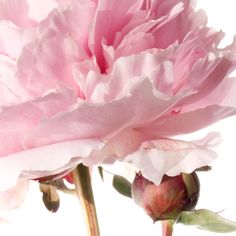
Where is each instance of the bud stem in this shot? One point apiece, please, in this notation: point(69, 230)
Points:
point(84, 192)
point(167, 227)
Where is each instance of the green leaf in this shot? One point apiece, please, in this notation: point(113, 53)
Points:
point(206, 220)
point(100, 170)
point(122, 185)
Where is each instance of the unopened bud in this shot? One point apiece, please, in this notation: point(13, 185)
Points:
point(166, 200)
point(50, 196)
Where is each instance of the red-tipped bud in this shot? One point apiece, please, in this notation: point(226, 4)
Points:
point(167, 200)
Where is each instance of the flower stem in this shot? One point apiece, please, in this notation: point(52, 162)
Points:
point(167, 227)
point(84, 191)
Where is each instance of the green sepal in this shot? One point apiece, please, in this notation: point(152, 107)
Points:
point(122, 185)
point(206, 220)
point(100, 170)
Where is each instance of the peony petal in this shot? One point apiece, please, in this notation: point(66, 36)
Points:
point(215, 77)
point(188, 122)
point(13, 131)
point(178, 28)
point(11, 91)
point(106, 24)
point(49, 60)
point(39, 10)
point(114, 117)
point(13, 39)
point(128, 42)
point(117, 148)
point(172, 157)
point(14, 197)
point(223, 95)
point(15, 11)
point(153, 64)
point(44, 161)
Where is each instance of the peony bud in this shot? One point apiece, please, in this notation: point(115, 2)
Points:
point(167, 200)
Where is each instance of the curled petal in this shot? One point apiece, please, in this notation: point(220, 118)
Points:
point(44, 161)
point(171, 157)
point(177, 124)
point(15, 11)
point(14, 197)
point(84, 122)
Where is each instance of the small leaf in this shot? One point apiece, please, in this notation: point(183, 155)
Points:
point(207, 220)
point(50, 197)
point(204, 168)
point(100, 170)
point(122, 185)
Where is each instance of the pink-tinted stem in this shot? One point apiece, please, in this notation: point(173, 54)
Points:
point(167, 227)
point(84, 191)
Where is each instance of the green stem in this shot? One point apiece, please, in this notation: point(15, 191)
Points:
point(167, 227)
point(84, 191)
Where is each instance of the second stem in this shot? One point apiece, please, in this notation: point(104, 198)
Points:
point(84, 191)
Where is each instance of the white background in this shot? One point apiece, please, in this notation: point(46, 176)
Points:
point(119, 215)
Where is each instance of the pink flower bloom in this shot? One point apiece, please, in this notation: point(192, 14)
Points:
point(98, 81)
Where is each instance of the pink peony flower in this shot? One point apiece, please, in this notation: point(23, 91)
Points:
point(96, 81)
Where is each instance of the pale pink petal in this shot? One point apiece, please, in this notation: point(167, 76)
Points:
point(171, 157)
point(214, 102)
point(130, 43)
point(215, 77)
point(117, 148)
point(106, 24)
point(156, 156)
point(15, 11)
point(39, 10)
point(13, 131)
point(10, 89)
point(13, 39)
point(44, 161)
point(114, 117)
point(45, 59)
point(176, 124)
point(154, 65)
point(177, 29)
point(25, 13)
point(66, 2)
point(50, 59)
point(223, 95)
point(13, 197)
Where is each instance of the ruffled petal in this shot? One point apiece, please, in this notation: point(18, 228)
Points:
point(14, 131)
point(10, 89)
point(106, 24)
point(177, 124)
point(104, 120)
point(13, 39)
point(39, 10)
point(15, 11)
point(50, 59)
point(44, 161)
point(14, 197)
point(165, 156)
